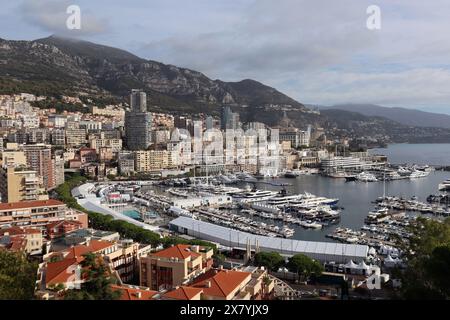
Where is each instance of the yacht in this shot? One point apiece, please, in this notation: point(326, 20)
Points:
point(283, 198)
point(445, 186)
point(366, 177)
point(254, 196)
point(419, 174)
point(291, 174)
point(404, 171)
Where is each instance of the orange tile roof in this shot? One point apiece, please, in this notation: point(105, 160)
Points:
point(18, 230)
point(129, 293)
point(180, 251)
point(57, 272)
point(29, 204)
point(183, 293)
point(223, 282)
point(94, 246)
point(55, 224)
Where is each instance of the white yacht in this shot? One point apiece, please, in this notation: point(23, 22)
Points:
point(445, 186)
point(254, 196)
point(310, 199)
point(366, 177)
point(419, 174)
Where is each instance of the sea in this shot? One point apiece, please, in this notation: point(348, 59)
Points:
point(356, 197)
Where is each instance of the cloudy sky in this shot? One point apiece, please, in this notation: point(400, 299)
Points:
point(316, 51)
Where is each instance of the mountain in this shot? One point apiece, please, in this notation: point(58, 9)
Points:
point(408, 117)
point(56, 65)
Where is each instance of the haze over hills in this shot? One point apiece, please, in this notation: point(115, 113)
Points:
point(409, 117)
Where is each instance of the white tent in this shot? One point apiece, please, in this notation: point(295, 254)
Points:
point(390, 262)
point(372, 251)
point(351, 265)
point(363, 265)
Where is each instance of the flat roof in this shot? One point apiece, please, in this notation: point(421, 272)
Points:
point(323, 251)
point(30, 204)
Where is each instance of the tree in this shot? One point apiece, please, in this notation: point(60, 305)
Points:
point(98, 281)
point(270, 260)
point(304, 266)
point(219, 259)
point(17, 276)
point(427, 254)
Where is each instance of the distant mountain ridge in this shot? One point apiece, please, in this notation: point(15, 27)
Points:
point(56, 65)
point(408, 117)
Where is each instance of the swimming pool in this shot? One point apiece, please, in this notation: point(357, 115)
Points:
point(132, 214)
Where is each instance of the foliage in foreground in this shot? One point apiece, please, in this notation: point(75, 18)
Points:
point(98, 281)
point(428, 261)
point(17, 276)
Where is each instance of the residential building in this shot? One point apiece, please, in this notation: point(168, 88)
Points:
point(39, 159)
point(174, 266)
point(138, 122)
point(126, 162)
point(28, 240)
point(19, 184)
point(38, 213)
point(229, 119)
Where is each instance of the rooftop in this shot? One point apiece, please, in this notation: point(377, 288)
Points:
point(29, 204)
point(220, 283)
point(131, 293)
point(183, 293)
point(180, 251)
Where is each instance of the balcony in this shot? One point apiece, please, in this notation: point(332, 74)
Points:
point(243, 295)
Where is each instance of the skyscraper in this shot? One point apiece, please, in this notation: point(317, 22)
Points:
point(39, 159)
point(138, 122)
point(229, 119)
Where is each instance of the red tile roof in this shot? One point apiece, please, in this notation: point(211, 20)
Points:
point(183, 293)
point(223, 282)
point(29, 204)
point(18, 230)
point(180, 251)
point(55, 224)
point(94, 246)
point(129, 293)
point(57, 272)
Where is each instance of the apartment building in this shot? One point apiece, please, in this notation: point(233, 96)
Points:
point(39, 159)
point(38, 213)
point(153, 160)
point(64, 267)
point(174, 266)
point(19, 184)
point(28, 240)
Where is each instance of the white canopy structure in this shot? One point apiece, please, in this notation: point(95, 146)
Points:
point(362, 265)
point(321, 251)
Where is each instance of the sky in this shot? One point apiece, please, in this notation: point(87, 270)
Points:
point(318, 52)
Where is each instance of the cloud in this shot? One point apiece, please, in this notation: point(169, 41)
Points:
point(418, 88)
point(271, 38)
point(51, 16)
point(322, 52)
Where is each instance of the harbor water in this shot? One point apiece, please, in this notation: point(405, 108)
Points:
point(432, 154)
point(356, 197)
